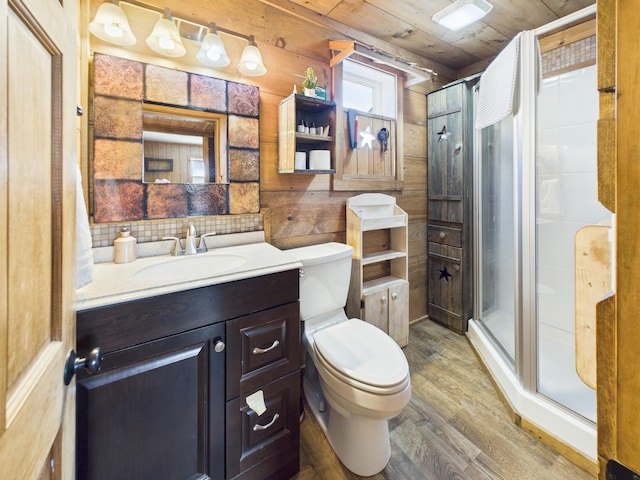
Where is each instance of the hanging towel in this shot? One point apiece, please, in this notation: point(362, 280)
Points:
point(497, 96)
point(84, 254)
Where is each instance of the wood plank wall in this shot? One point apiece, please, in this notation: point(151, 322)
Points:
point(302, 209)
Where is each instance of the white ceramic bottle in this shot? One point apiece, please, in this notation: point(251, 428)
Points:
point(124, 247)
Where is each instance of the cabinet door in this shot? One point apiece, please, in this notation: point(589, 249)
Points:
point(265, 446)
point(445, 291)
point(446, 155)
point(376, 309)
point(399, 313)
point(147, 414)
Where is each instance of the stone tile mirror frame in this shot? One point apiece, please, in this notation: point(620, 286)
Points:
point(119, 88)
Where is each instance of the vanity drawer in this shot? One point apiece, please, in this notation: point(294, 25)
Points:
point(445, 235)
point(264, 345)
point(274, 435)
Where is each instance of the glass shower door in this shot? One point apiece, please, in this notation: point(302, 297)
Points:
point(497, 234)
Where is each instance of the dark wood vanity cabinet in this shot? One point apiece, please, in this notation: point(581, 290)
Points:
point(171, 402)
point(449, 204)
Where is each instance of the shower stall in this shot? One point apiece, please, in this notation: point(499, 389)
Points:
point(535, 187)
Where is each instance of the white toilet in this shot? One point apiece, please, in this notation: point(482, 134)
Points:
point(356, 377)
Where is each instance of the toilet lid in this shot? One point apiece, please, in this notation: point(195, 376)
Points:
point(362, 352)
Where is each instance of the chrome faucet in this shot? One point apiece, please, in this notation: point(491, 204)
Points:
point(191, 246)
point(190, 241)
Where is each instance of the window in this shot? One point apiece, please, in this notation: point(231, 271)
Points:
point(368, 98)
point(368, 89)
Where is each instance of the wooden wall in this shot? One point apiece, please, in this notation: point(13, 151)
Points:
point(301, 209)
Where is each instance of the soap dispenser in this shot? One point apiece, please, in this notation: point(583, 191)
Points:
point(124, 247)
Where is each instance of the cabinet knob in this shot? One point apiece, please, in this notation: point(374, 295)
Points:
point(456, 267)
point(92, 363)
point(394, 296)
point(218, 345)
point(383, 300)
point(442, 234)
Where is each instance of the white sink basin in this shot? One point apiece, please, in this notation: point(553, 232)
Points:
point(191, 267)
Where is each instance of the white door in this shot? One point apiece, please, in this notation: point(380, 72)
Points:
point(38, 148)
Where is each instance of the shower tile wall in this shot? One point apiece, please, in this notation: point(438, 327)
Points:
point(566, 201)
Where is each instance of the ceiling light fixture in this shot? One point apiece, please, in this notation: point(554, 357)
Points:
point(462, 13)
point(110, 24)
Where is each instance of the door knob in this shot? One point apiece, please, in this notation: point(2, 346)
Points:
point(92, 363)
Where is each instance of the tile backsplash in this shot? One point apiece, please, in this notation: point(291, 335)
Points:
point(103, 235)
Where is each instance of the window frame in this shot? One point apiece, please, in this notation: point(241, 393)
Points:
point(343, 181)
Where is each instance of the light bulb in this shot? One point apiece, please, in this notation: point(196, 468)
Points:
point(166, 42)
point(213, 54)
point(251, 65)
point(113, 30)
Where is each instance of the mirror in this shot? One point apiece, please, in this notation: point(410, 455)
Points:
point(183, 146)
point(128, 98)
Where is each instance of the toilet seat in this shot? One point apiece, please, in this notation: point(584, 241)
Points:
point(360, 354)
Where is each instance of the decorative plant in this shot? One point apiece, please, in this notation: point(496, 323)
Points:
point(310, 80)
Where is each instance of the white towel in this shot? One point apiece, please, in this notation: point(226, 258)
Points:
point(84, 254)
point(496, 100)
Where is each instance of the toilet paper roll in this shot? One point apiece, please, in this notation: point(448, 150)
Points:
point(300, 161)
point(319, 160)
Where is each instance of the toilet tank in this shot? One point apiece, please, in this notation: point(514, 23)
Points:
point(324, 284)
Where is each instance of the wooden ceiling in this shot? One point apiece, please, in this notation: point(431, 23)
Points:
point(404, 28)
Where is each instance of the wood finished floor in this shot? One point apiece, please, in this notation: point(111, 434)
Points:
point(455, 426)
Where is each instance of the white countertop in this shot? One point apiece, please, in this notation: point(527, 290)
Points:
point(117, 283)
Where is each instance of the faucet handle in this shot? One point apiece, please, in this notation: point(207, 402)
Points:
point(202, 244)
point(177, 248)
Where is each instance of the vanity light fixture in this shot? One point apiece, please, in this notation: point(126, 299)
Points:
point(212, 52)
point(111, 25)
point(462, 13)
point(165, 38)
point(251, 61)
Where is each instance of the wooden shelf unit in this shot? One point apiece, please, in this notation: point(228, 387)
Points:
point(298, 108)
point(379, 288)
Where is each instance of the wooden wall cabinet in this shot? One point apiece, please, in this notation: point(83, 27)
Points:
point(379, 288)
point(171, 399)
point(311, 111)
point(449, 204)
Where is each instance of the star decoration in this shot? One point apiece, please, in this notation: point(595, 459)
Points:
point(367, 138)
point(445, 275)
point(443, 135)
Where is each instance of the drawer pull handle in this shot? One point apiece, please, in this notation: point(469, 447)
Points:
point(258, 351)
point(442, 234)
point(257, 427)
